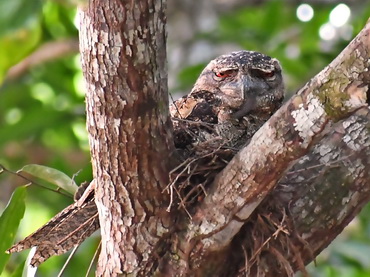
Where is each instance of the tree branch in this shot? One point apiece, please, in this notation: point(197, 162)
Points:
point(249, 221)
point(47, 52)
point(319, 196)
point(335, 93)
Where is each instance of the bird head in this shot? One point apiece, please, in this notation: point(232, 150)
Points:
point(244, 82)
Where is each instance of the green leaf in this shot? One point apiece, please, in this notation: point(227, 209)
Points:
point(9, 222)
point(17, 45)
point(18, 271)
point(20, 30)
point(355, 250)
point(18, 14)
point(51, 175)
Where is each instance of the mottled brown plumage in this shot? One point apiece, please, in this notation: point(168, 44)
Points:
point(234, 95)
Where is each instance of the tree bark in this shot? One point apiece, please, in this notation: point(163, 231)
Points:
point(244, 224)
point(311, 204)
point(228, 211)
point(124, 63)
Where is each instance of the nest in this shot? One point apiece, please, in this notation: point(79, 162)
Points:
point(207, 135)
point(271, 244)
point(192, 177)
point(204, 149)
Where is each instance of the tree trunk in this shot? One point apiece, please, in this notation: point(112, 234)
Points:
point(122, 45)
point(246, 223)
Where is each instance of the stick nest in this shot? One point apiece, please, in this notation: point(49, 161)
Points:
point(204, 149)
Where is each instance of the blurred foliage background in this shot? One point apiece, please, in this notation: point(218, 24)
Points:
point(42, 114)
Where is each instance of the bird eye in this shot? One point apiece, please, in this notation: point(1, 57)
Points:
point(268, 75)
point(224, 74)
point(220, 74)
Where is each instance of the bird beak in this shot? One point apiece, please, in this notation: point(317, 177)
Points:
point(245, 82)
point(248, 96)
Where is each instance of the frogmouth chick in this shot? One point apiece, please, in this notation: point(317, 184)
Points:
point(233, 96)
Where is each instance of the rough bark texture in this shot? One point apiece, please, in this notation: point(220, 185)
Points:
point(123, 53)
point(123, 58)
point(278, 203)
point(311, 204)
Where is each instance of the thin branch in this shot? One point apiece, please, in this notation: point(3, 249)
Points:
point(68, 260)
point(49, 51)
point(93, 259)
point(32, 182)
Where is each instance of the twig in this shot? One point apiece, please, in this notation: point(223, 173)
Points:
point(4, 169)
point(68, 260)
point(93, 259)
point(46, 52)
point(274, 235)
